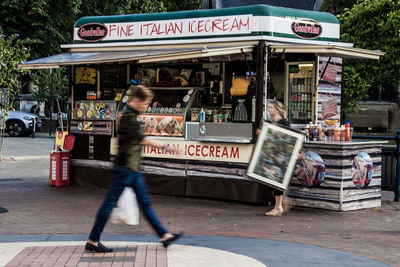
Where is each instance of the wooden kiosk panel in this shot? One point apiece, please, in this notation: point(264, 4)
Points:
point(340, 188)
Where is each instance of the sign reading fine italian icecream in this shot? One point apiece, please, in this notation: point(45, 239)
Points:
point(239, 153)
point(165, 28)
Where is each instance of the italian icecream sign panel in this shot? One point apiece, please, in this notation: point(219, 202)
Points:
point(239, 153)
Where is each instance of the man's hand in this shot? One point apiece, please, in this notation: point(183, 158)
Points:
point(174, 149)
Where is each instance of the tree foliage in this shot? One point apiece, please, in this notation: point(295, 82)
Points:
point(42, 79)
point(12, 52)
point(337, 7)
point(182, 5)
point(49, 23)
point(46, 24)
point(373, 25)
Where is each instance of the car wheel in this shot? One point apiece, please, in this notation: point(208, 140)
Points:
point(15, 128)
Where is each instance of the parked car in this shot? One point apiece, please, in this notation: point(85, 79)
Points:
point(19, 123)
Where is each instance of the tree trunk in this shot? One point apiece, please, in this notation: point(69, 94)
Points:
point(2, 132)
point(60, 118)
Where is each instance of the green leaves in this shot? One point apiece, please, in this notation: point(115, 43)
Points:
point(47, 24)
point(42, 80)
point(12, 52)
point(354, 87)
point(373, 25)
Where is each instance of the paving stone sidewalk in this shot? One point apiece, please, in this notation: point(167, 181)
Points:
point(72, 256)
point(36, 209)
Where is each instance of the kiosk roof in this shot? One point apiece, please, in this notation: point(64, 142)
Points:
point(257, 22)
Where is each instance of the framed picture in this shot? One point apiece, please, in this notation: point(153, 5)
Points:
point(275, 155)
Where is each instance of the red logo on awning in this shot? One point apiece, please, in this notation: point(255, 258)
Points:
point(92, 32)
point(307, 28)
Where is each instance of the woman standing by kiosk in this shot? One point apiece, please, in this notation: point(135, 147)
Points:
point(277, 112)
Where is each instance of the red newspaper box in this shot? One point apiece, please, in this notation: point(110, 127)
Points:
point(69, 142)
point(59, 168)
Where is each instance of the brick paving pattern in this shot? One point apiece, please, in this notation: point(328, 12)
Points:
point(73, 256)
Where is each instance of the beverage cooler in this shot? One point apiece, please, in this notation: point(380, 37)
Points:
point(300, 97)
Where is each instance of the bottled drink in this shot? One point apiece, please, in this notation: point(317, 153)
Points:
point(347, 131)
point(337, 133)
point(342, 134)
point(315, 133)
point(320, 132)
point(310, 130)
point(202, 115)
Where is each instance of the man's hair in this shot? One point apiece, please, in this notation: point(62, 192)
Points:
point(141, 92)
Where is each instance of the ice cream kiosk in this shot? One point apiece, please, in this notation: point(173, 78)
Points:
point(212, 73)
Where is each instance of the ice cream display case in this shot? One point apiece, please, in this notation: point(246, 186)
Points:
point(165, 117)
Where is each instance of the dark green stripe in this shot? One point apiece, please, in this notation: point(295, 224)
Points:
point(256, 10)
point(298, 38)
point(283, 35)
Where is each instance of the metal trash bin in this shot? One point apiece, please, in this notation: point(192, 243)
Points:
point(59, 168)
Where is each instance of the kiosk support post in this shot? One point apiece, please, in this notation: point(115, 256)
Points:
point(260, 72)
point(397, 189)
point(51, 99)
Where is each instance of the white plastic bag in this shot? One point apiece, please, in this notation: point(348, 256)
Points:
point(127, 211)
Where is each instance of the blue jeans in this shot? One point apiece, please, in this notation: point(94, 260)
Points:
point(122, 177)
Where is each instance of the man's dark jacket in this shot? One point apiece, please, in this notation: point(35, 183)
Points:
point(130, 134)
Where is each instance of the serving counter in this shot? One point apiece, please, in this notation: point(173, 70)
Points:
point(345, 176)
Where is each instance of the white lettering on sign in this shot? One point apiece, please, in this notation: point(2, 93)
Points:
point(202, 151)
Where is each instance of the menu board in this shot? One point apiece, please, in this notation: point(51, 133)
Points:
point(85, 75)
point(85, 82)
point(113, 77)
point(94, 110)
